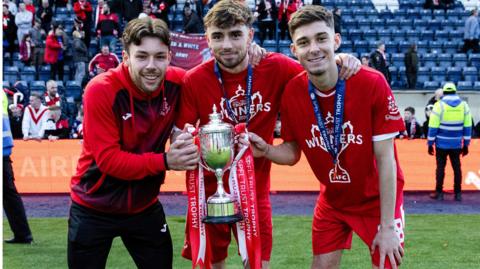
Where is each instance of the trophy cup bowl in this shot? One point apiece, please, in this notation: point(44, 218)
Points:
point(216, 146)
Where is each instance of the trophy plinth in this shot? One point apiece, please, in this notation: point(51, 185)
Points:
point(216, 143)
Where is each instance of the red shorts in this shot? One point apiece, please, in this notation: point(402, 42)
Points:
point(220, 236)
point(332, 230)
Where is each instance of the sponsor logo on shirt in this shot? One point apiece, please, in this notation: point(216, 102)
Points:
point(393, 112)
point(238, 103)
point(127, 116)
point(337, 174)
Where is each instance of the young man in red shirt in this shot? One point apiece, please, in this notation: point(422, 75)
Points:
point(129, 115)
point(346, 131)
point(230, 83)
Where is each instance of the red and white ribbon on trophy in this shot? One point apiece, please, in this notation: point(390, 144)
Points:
point(242, 187)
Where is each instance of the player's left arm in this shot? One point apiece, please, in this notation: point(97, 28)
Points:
point(386, 239)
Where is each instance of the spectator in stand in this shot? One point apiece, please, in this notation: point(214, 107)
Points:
point(411, 66)
point(80, 57)
point(23, 20)
point(83, 10)
point(450, 129)
point(108, 28)
point(439, 4)
point(12, 202)
point(98, 12)
point(472, 33)
point(60, 3)
point(57, 126)
point(365, 60)
point(30, 7)
point(161, 8)
point(26, 50)
point(52, 98)
point(412, 127)
point(12, 7)
point(102, 62)
point(337, 20)
point(54, 52)
point(267, 14)
point(285, 10)
point(77, 126)
point(130, 9)
point(378, 60)
point(45, 14)
point(192, 24)
point(428, 112)
point(34, 118)
point(9, 31)
point(38, 36)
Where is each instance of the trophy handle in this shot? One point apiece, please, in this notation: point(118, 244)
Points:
point(239, 156)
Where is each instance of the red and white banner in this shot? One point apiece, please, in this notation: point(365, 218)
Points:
point(188, 51)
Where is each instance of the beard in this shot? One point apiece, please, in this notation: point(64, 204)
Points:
point(233, 62)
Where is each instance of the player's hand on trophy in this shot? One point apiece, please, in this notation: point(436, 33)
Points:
point(183, 153)
point(389, 247)
point(349, 64)
point(258, 145)
point(256, 54)
point(242, 140)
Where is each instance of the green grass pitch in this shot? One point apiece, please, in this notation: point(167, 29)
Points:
point(432, 241)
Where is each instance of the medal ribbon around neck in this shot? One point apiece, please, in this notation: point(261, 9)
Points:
point(248, 94)
point(332, 148)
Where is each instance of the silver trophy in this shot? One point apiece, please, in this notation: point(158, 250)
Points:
point(217, 150)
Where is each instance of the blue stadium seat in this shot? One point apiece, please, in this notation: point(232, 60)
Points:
point(476, 86)
point(398, 59)
point(270, 45)
point(453, 14)
point(371, 14)
point(61, 10)
point(438, 73)
point(422, 47)
point(470, 73)
point(426, 14)
point(394, 74)
point(370, 35)
point(372, 45)
point(28, 73)
point(447, 25)
point(18, 63)
point(44, 73)
point(73, 89)
point(399, 35)
point(429, 60)
point(364, 24)
point(426, 35)
point(460, 59)
point(441, 35)
point(385, 14)
point(10, 74)
point(414, 35)
point(37, 86)
point(412, 13)
point(431, 85)
point(454, 73)
point(355, 34)
point(402, 77)
point(420, 24)
point(456, 34)
point(465, 86)
point(439, 14)
point(393, 23)
point(384, 34)
point(423, 75)
point(6, 84)
point(346, 46)
point(450, 47)
point(360, 46)
point(474, 60)
point(391, 47)
point(435, 46)
point(444, 60)
point(61, 87)
point(404, 46)
point(377, 22)
point(349, 23)
point(405, 24)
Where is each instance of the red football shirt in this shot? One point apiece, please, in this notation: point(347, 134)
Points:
point(370, 114)
point(201, 90)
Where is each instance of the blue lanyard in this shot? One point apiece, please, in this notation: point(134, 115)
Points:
point(332, 148)
point(248, 94)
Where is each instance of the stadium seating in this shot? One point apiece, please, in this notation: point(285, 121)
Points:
point(28, 73)
point(431, 85)
point(44, 73)
point(10, 73)
point(73, 89)
point(464, 86)
point(454, 73)
point(470, 73)
point(37, 86)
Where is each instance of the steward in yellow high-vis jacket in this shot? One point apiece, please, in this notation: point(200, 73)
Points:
point(450, 129)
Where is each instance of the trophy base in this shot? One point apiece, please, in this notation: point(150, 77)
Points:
point(223, 219)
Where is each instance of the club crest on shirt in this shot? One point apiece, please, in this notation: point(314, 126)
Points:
point(393, 112)
point(238, 103)
point(337, 174)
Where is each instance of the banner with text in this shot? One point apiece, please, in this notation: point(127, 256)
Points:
point(189, 51)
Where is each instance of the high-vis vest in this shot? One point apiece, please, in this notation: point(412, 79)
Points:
point(450, 125)
point(7, 133)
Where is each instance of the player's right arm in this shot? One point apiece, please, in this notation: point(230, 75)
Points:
point(287, 153)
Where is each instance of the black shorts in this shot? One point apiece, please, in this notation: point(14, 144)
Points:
point(145, 235)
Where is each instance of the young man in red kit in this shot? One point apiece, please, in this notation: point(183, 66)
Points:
point(129, 115)
point(346, 131)
point(230, 83)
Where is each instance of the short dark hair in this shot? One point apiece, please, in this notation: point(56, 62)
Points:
point(310, 14)
point(228, 13)
point(137, 29)
point(410, 109)
point(36, 95)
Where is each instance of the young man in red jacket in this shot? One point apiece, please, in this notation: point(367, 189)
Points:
point(129, 115)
